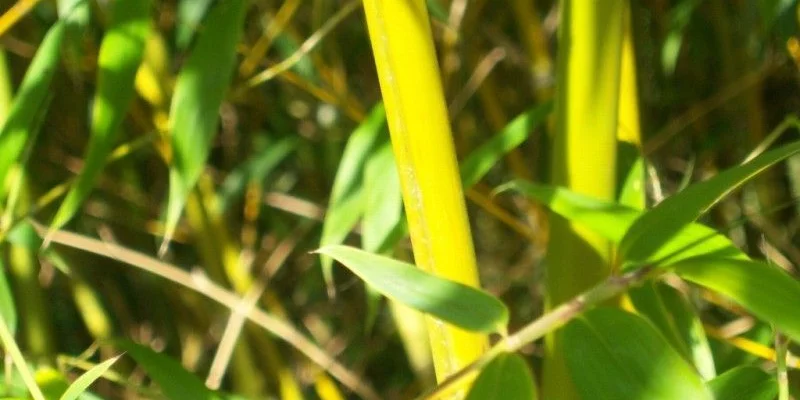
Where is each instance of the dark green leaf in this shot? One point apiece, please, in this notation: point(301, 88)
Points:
point(507, 377)
point(461, 305)
point(175, 382)
point(199, 91)
point(616, 355)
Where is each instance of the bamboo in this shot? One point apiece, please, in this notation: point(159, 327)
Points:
point(583, 158)
point(401, 40)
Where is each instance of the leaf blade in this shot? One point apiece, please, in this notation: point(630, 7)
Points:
point(648, 233)
point(30, 102)
point(77, 388)
point(467, 307)
point(507, 377)
point(175, 382)
point(612, 354)
point(481, 160)
point(200, 88)
point(120, 55)
point(746, 282)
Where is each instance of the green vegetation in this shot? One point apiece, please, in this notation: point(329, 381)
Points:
point(384, 199)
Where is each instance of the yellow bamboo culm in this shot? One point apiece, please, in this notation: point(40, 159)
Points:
point(401, 40)
point(583, 159)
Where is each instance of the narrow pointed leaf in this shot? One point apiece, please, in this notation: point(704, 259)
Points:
point(612, 354)
point(77, 388)
point(384, 201)
point(120, 55)
point(8, 310)
point(607, 219)
point(646, 237)
point(744, 383)
point(482, 159)
point(507, 377)
point(612, 220)
point(346, 201)
point(200, 88)
point(190, 14)
point(675, 318)
point(30, 102)
point(175, 382)
point(464, 306)
point(766, 291)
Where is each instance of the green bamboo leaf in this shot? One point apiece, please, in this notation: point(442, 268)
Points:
point(189, 15)
point(615, 355)
point(8, 310)
point(612, 221)
point(383, 214)
point(30, 102)
point(767, 292)
point(507, 377)
point(346, 204)
point(384, 200)
point(675, 318)
point(482, 159)
point(77, 388)
point(200, 88)
point(744, 383)
point(607, 219)
point(461, 305)
point(644, 241)
point(632, 193)
point(175, 382)
point(120, 55)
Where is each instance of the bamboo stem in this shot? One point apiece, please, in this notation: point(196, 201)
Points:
point(583, 157)
point(404, 54)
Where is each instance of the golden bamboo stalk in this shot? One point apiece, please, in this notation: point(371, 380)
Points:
point(404, 54)
point(583, 158)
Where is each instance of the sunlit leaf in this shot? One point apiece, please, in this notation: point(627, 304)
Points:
point(84, 381)
point(616, 355)
point(644, 241)
point(199, 91)
point(482, 159)
point(120, 55)
point(175, 382)
point(461, 305)
point(607, 219)
point(764, 290)
point(612, 221)
point(507, 377)
point(30, 101)
point(346, 202)
point(744, 383)
point(675, 318)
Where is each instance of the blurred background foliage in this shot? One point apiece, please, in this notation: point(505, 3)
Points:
point(715, 77)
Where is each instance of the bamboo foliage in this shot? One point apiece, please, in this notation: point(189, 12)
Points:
point(421, 138)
